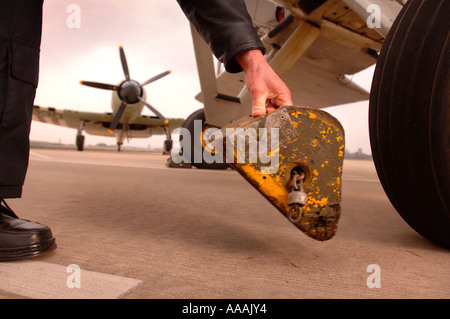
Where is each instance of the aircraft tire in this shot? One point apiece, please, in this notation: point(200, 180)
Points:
point(409, 117)
point(189, 124)
point(80, 142)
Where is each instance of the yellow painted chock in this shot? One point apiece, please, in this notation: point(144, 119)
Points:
point(297, 150)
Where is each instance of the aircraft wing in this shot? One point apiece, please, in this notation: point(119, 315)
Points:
point(312, 84)
point(322, 75)
point(317, 67)
point(98, 123)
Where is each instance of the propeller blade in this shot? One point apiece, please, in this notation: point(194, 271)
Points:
point(118, 116)
point(157, 77)
point(123, 59)
point(103, 86)
point(159, 115)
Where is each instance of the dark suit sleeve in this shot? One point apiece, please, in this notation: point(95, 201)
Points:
point(226, 27)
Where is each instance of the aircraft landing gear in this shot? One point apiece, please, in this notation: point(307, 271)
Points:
point(189, 124)
point(167, 147)
point(168, 143)
point(80, 142)
point(409, 118)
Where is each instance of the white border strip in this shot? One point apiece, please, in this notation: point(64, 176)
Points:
point(41, 280)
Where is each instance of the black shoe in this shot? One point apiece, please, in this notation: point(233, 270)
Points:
point(20, 238)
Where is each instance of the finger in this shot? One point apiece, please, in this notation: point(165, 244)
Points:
point(270, 107)
point(282, 101)
point(259, 106)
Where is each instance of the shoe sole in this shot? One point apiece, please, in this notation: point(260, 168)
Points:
point(27, 251)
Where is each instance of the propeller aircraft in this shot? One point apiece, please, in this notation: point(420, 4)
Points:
point(125, 121)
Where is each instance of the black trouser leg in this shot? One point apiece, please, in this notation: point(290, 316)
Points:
point(20, 35)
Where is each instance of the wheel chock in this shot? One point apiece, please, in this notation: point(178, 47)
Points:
point(293, 156)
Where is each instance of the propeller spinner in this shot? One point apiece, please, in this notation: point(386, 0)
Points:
point(129, 91)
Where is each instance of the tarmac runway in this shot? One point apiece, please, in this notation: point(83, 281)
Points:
point(128, 227)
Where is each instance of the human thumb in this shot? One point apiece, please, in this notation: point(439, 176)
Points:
point(259, 106)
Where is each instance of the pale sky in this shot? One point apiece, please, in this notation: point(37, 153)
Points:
point(156, 37)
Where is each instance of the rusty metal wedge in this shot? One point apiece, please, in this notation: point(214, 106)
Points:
point(300, 139)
